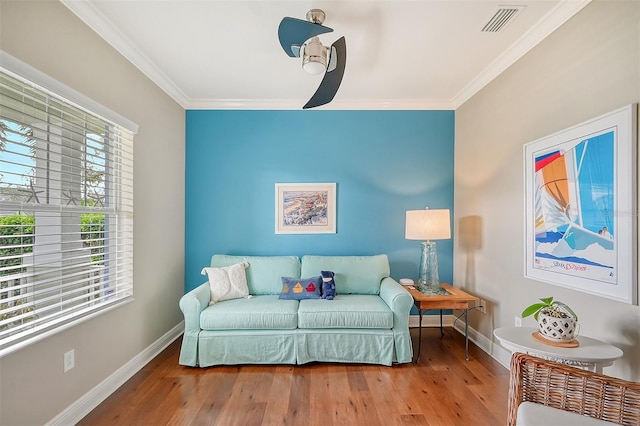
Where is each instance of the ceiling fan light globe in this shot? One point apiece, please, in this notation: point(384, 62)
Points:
point(314, 56)
point(313, 67)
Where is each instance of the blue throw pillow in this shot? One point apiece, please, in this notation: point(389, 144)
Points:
point(300, 288)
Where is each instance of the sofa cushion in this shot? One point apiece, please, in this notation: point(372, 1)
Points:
point(264, 272)
point(354, 274)
point(300, 288)
point(229, 282)
point(265, 312)
point(345, 311)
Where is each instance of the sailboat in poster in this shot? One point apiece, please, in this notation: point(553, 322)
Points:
point(574, 200)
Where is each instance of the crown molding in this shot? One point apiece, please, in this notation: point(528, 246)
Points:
point(91, 16)
point(338, 104)
point(547, 25)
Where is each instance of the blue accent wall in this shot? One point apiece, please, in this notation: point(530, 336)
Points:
point(383, 162)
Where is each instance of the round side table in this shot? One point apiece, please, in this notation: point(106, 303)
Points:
point(591, 354)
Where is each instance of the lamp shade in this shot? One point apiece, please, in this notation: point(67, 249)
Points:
point(428, 224)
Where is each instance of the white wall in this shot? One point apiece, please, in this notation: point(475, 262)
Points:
point(589, 66)
point(47, 36)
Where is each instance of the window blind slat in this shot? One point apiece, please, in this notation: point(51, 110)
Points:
point(44, 326)
point(51, 300)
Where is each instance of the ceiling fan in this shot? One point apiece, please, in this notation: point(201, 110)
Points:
point(300, 38)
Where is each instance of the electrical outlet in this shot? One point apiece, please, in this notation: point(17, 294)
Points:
point(518, 321)
point(69, 360)
point(483, 306)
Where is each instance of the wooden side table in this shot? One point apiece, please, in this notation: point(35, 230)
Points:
point(591, 354)
point(455, 299)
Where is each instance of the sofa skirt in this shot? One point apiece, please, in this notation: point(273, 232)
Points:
point(366, 346)
point(246, 347)
point(300, 346)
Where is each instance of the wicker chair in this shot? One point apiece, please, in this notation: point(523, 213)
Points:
point(571, 389)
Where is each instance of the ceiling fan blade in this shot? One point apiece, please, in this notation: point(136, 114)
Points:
point(293, 32)
point(333, 77)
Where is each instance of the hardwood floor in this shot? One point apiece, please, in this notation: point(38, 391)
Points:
point(441, 389)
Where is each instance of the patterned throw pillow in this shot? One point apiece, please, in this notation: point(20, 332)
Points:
point(229, 282)
point(300, 288)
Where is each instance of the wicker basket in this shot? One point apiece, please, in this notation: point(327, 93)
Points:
point(572, 389)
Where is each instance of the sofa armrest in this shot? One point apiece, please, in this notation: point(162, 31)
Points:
point(399, 300)
point(192, 304)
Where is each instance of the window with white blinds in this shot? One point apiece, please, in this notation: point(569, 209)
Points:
point(66, 213)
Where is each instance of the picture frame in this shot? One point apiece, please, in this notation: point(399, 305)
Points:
point(581, 207)
point(305, 208)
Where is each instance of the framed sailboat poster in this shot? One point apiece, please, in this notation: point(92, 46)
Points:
point(580, 207)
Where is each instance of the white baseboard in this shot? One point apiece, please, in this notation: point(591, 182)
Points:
point(83, 406)
point(497, 352)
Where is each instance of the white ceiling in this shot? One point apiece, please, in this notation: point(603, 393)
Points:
point(225, 54)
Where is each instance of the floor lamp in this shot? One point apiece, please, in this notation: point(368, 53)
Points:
point(428, 225)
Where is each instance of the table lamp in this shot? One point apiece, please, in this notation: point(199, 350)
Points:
point(428, 225)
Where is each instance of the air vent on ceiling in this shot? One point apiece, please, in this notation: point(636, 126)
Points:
point(502, 17)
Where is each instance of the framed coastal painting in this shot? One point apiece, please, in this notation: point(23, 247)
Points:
point(305, 208)
point(580, 207)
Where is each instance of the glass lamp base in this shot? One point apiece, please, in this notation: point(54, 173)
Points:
point(428, 279)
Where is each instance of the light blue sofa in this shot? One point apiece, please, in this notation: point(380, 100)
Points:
point(368, 321)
